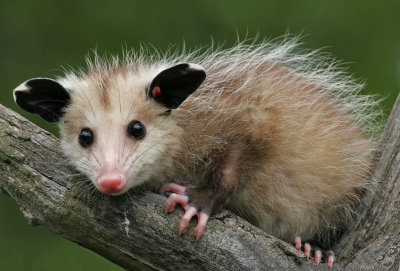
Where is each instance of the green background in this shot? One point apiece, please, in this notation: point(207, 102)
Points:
point(39, 37)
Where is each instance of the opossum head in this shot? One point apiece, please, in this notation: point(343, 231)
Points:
point(116, 124)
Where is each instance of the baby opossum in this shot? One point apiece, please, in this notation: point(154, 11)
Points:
point(276, 136)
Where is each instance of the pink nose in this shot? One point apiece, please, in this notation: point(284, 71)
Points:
point(111, 186)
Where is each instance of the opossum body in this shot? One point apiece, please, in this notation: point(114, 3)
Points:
point(277, 137)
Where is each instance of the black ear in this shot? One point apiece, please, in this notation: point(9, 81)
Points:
point(42, 96)
point(173, 85)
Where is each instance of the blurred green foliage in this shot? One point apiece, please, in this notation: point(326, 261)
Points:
point(39, 37)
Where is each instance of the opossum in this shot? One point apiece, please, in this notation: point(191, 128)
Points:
point(278, 136)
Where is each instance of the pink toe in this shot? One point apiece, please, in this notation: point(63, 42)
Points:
point(174, 199)
point(297, 242)
point(330, 261)
point(317, 256)
point(172, 187)
point(189, 213)
point(307, 250)
point(201, 224)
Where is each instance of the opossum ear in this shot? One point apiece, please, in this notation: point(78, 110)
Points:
point(42, 96)
point(173, 85)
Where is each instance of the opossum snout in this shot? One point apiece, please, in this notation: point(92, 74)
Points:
point(112, 186)
point(113, 183)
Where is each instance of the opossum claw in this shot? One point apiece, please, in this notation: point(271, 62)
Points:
point(319, 255)
point(297, 242)
point(173, 199)
point(189, 213)
point(178, 197)
point(201, 224)
point(307, 250)
point(330, 260)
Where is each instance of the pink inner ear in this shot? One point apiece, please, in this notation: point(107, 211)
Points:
point(156, 91)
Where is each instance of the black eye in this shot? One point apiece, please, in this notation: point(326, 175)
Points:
point(136, 129)
point(86, 137)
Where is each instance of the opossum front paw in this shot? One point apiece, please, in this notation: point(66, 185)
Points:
point(179, 196)
point(318, 254)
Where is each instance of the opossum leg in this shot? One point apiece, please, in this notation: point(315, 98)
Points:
point(179, 197)
point(319, 255)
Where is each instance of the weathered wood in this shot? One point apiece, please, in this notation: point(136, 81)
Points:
point(374, 243)
point(133, 231)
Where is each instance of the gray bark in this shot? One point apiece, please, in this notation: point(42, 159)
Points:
point(134, 232)
point(374, 241)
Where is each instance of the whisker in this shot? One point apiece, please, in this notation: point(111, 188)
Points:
point(90, 104)
point(84, 155)
point(120, 114)
point(135, 147)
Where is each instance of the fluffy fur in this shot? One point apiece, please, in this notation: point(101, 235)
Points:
point(294, 121)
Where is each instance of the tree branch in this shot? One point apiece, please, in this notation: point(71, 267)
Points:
point(374, 242)
point(134, 232)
